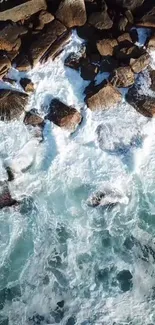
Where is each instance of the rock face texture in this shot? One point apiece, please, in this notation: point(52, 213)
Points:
point(23, 11)
point(72, 13)
point(144, 104)
point(122, 77)
point(105, 98)
point(64, 116)
point(106, 46)
point(140, 64)
point(12, 104)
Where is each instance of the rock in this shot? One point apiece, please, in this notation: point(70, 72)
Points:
point(122, 77)
point(100, 20)
point(106, 46)
point(125, 279)
point(108, 64)
point(45, 40)
point(22, 62)
point(144, 104)
point(10, 174)
point(12, 104)
point(5, 65)
point(140, 64)
point(148, 19)
point(151, 43)
point(123, 24)
point(71, 321)
point(45, 17)
point(72, 13)
point(10, 37)
point(73, 60)
point(66, 117)
point(23, 11)
point(27, 84)
point(11, 81)
point(88, 32)
point(33, 119)
point(107, 197)
point(126, 50)
point(56, 48)
point(88, 70)
point(103, 99)
point(152, 77)
point(124, 37)
point(130, 4)
point(5, 196)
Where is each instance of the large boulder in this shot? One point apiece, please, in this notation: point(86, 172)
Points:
point(72, 13)
point(66, 117)
point(104, 98)
point(106, 46)
point(122, 77)
point(100, 20)
point(45, 40)
point(10, 37)
point(140, 64)
point(12, 104)
point(23, 11)
point(144, 104)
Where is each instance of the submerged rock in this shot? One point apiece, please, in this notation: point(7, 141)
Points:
point(31, 118)
point(12, 104)
point(125, 280)
point(103, 99)
point(27, 84)
point(5, 197)
point(66, 117)
point(107, 197)
point(72, 13)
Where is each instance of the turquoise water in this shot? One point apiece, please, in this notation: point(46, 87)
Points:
point(61, 261)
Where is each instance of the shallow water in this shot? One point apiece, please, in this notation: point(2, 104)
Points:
point(60, 258)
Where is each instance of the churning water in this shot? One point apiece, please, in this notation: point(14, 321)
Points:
point(61, 261)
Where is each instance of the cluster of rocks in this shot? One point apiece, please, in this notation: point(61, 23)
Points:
point(32, 31)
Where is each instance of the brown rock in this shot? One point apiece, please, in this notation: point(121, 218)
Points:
point(123, 23)
point(33, 119)
point(72, 13)
point(27, 84)
point(152, 77)
point(10, 37)
point(124, 37)
point(106, 46)
point(100, 20)
point(130, 4)
point(106, 97)
point(148, 20)
point(126, 51)
point(122, 77)
point(151, 43)
point(5, 65)
point(23, 10)
point(73, 60)
point(22, 62)
point(64, 116)
point(144, 104)
point(88, 69)
point(45, 40)
point(140, 64)
point(57, 47)
point(45, 17)
point(12, 104)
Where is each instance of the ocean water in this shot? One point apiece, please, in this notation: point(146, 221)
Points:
point(61, 261)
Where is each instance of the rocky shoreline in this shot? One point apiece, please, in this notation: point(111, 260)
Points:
point(35, 31)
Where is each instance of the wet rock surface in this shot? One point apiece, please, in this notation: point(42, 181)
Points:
point(12, 104)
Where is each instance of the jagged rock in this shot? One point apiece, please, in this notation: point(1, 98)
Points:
point(106, 46)
point(23, 11)
point(151, 43)
point(124, 37)
point(104, 98)
point(31, 118)
point(5, 197)
point(12, 104)
point(27, 84)
point(148, 19)
point(122, 77)
point(44, 18)
point(72, 13)
point(100, 20)
point(45, 40)
point(5, 65)
point(140, 64)
point(56, 48)
point(64, 116)
point(22, 62)
point(152, 77)
point(144, 104)
point(10, 37)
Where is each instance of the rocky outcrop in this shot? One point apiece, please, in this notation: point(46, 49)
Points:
point(144, 104)
point(45, 40)
point(140, 64)
point(122, 77)
point(27, 84)
point(106, 97)
point(72, 13)
point(12, 104)
point(106, 46)
point(66, 117)
point(23, 11)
